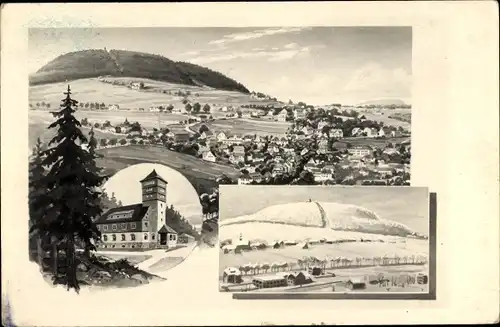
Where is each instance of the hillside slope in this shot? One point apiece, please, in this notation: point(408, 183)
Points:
point(121, 63)
point(322, 216)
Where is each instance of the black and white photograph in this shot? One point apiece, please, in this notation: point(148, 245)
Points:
point(324, 239)
point(228, 163)
point(216, 105)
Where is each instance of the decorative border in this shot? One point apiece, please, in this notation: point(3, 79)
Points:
point(431, 295)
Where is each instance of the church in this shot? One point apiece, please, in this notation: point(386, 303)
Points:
point(141, 226)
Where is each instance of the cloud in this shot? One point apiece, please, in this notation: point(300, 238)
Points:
point(235, 37)
point(379, 81)
point(291, 45)
point(191, 53)
point(275, 54)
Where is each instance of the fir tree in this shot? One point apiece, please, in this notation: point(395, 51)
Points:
point(72, 182)
point(36, 199)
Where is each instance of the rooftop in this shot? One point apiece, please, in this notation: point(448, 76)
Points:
point(153, 175)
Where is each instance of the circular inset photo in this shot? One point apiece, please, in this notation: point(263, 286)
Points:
point(149, 223)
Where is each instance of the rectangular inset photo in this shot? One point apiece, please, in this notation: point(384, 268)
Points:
point(288, 242)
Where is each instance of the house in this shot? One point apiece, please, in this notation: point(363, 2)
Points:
point(396, 133)
point(221, 136)
point(300, 114)
point(367, 131)
point(273, 148)
point(141, 226)
point(244, 179)
point(136, 86)
point(390, 151)
point(208, 156)
point(234, 139)
point(269, 281)
point(207, 135)
point(281, 117)
point(258, 158)
point(322, 175)
point(181, 137)
point(248, 138)
point(336, 133)
point(278, 170)
point(360, 151)
point(256, 177)
point(249, 157)
point(322, 124)
point(311, 163)
point(113, 107)
point(355, 284)
point(232, 275)
point(154, 109)
point(356, 131)
point(239, 150)
point(323, 146)
point(384, 131)
point(185, 238)
point(315, 270)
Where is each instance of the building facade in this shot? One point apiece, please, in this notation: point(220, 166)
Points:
point(141, 226)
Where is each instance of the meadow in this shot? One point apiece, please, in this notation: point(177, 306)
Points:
point(247, 126)
point(374, 142)
point(93, 90)
point(385, 117)
point(201, 174)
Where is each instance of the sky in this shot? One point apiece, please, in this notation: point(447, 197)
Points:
point(126, 186)
point(406, 205)
point(317, 65)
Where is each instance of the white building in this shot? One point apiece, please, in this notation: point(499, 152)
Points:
point(208, 156)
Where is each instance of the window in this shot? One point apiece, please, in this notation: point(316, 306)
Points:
point(105, 238)
point(133, 225)
point(145, 236)
point(161, 205)
point(132, 237)
point(123, 237)
point(146, 224)
point(124, 226)
point(114, 227)
point(105, 227)
point(153, 236)
point(114, 237)
point(98, 227)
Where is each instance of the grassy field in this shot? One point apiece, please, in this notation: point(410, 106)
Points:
point(41, 131)
point(385, 117)
point(248, 126)
point(200, 173)
point(92, 90)
point(146, 119)
point(380, 143)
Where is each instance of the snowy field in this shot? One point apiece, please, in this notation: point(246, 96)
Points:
point(322, 219)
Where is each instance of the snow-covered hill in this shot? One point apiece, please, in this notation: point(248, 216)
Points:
point(302, 220)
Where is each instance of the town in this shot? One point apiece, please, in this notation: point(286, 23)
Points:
point(326, 145)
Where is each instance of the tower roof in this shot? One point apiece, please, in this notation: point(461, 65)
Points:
point(153, 175)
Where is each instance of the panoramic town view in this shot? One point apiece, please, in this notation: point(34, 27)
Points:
point(245, 106)
point(324, 239)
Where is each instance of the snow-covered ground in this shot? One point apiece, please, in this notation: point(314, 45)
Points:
point(302, 220)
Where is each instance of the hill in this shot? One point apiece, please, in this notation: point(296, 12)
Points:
point(383, 102)
point(319, 217)
point(121, 63)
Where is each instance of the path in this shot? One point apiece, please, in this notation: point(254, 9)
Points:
point(324, 219)
point(158, 255)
